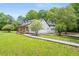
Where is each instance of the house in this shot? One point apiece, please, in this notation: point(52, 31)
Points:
point(48, 27)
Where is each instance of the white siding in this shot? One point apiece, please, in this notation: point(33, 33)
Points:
point(46, 29)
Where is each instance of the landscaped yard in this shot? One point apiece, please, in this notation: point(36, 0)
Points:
point(66, 38)
point(15, 44)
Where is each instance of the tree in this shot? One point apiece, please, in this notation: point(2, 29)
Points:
point(8, 27)
point(70, 19)
point(32, 14)
point(21, 19)
point(10, 19)
point(64, 18)
point(16, 24)
point(76, 8)
point(52, 14)
point(35, 26)
point(5, 19)
point(60, 27)
point(42, 14)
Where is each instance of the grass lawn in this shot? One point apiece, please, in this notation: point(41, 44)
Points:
point(13, 44)
point(52, 36)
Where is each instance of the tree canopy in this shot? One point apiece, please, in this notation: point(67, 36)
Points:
point(64, 18)
point(32, 14)
point(20, 19)
point(76, 8)
point(5, 19)
point(42, 14)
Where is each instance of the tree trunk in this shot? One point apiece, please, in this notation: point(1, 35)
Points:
point(36, 33)
point(9, 30)
point(65, 32)
point(59, 33)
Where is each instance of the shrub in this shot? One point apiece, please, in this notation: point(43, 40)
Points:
point(8, 28)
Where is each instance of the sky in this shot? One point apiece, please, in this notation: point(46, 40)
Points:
point(21, 9)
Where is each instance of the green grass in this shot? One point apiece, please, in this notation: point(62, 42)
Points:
point(66, 38)
point(12, 44)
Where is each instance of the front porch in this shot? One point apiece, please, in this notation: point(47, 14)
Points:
point(23, 29)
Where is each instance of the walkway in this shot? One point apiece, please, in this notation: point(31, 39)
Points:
point(54, 40)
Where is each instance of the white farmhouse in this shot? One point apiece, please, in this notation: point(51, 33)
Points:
point(48, 27)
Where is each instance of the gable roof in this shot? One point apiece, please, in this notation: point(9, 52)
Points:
point(30, 21)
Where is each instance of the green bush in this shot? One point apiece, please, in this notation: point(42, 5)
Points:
point(8, 28)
